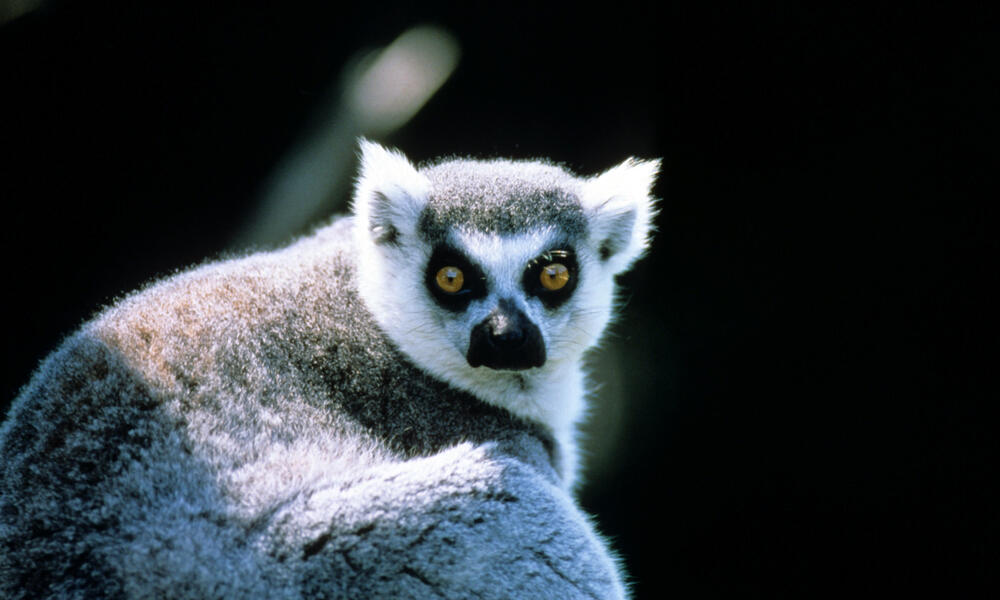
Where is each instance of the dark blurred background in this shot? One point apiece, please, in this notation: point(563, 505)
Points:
point(794, 401)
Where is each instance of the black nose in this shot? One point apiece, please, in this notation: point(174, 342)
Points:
point(506, 339)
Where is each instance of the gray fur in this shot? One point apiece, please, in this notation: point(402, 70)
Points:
point(245, 429)
point(507, 197)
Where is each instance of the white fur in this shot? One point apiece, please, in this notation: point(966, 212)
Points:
point(390, 174)
point(616, 192)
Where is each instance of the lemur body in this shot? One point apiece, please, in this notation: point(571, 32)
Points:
point(385, 408)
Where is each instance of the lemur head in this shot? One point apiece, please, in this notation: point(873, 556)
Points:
point(496, 276)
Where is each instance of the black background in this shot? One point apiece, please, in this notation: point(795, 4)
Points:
point(805, 353)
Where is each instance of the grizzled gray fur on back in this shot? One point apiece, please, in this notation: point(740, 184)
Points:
point(303, 423)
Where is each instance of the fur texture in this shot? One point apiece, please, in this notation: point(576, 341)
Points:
point(286, 425)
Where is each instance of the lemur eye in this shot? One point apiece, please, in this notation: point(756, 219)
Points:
point(554, 276)
point(450, 279)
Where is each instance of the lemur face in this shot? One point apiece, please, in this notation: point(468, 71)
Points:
point(503, 292)
point(490, 274)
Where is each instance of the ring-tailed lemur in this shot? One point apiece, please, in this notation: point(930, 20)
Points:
point(385, 408)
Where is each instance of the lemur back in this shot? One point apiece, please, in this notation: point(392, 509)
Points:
point(384, 408)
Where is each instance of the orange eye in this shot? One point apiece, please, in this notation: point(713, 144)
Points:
point(450, 279)
point(554, 276)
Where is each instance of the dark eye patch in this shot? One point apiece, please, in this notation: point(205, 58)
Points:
point(474, 284)
point(532, 276)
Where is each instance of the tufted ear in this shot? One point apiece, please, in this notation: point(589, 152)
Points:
point(389, 194)
point(620, 211)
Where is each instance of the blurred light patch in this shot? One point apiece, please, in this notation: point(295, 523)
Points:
point(396, 83)
point(12, 9)
point(382, 91)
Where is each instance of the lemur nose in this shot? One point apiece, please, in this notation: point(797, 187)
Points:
point(504, 331)
point(506, 339)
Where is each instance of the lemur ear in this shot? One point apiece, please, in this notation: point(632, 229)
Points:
point(621, 211)
point(389, 194)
